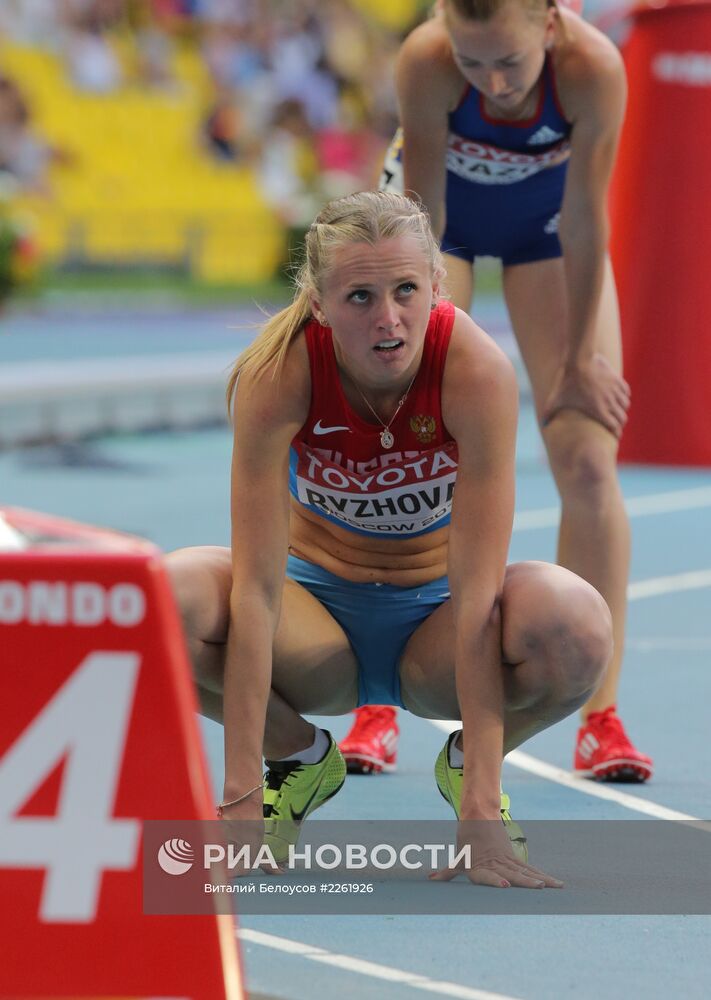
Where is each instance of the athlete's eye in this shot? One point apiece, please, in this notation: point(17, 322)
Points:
point(407, 287)
point(358, 296)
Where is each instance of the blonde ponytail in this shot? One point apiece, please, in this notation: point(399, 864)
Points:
point(270, 347)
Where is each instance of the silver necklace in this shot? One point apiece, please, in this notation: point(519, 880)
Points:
point(386, 436)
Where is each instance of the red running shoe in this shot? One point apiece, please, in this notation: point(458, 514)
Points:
point(371, 745)
point(603, 750)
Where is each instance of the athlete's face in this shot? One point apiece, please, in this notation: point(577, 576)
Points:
point(377, 301)
point(502, 57)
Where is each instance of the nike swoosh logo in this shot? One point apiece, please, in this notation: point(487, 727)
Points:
point(319, 429)
point(298, 817)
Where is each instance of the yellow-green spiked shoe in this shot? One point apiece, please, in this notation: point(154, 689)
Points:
point(292, 791)
point(449, 782)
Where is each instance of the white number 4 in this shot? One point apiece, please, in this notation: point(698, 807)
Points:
point(86, 722)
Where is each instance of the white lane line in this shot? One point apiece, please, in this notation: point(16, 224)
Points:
point(364, 968)
point(672, 644)
point(694, 580)
point(644, 506)
point(544, 517)
point(525, 762)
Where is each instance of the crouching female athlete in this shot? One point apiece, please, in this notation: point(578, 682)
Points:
point(359, 572)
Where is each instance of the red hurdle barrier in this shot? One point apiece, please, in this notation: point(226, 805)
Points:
point(98, 733)
point(660, 211)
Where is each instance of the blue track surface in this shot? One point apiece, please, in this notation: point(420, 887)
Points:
point(173, 488)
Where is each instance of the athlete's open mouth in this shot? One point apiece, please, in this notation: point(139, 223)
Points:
point(388, 345)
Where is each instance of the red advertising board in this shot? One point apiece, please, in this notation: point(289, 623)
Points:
point(660, 210)
point(98, 733)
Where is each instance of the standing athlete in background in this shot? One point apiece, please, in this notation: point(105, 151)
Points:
point(511, 112)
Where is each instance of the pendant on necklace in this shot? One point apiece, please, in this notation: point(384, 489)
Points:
point(386, 438)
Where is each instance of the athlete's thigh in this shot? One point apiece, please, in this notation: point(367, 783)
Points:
point(427, 685)
point(314, 667)
point(537, 300)
point(201, 580)
point(460, 281)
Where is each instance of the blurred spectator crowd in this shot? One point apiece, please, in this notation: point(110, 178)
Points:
point(276, 106)
point(299, 90)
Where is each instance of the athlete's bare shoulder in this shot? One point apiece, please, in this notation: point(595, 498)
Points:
point(277, 398)
point(425, 63)
point(587, 65)
point(578, 40)
point(473, 346)
point(427, 41)
point(478, 375)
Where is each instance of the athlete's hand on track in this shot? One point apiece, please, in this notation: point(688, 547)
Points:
point(244, 827)
point(595, 389)
point(493, 862)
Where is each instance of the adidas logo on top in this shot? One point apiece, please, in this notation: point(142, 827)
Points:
point(543, 136)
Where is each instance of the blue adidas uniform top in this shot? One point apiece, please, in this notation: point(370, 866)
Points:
point(505, 179)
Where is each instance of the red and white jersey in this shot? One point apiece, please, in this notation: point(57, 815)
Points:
point(339, 468)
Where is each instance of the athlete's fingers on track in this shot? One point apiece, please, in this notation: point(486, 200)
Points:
point(519, 881)
point(480, 876)
point(550, 881)
point(519, 873)
point(501, 874)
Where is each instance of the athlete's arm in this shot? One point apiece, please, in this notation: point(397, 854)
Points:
point(267, 415)
point(593, 91)
point(424, 77)
point(480, 407)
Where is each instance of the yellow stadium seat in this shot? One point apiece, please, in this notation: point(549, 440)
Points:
point(139, 186)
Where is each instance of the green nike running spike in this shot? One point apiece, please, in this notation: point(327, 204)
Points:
point(449, 782)
point(292, 791)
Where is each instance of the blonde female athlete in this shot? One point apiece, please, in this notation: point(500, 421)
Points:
point(511, 111)
point(358, 572)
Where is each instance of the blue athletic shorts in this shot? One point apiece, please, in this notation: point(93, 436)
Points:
point(516, 222)
point(378, 619)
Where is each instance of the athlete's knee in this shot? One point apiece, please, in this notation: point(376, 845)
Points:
point(200, 579)
point(570, 636)
point(582, 644)
point(183, 567)
point(583, 461)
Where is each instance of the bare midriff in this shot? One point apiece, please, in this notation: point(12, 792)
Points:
point(405, 562)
